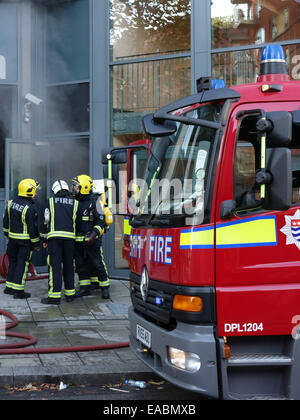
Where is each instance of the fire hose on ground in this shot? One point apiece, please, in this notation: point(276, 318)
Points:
point(19, 348)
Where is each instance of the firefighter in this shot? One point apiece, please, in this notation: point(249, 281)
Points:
point(20, 227)
point(58, 232)
point(90, 228)
point(95, 282)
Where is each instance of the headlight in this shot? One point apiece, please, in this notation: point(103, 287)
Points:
point(184, 360)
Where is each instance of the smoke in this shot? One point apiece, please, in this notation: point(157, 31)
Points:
point(67, 105)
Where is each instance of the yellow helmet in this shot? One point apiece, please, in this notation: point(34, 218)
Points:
point(85, 184)
point(27, 188)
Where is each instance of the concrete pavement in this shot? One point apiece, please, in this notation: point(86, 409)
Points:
point(86, 321)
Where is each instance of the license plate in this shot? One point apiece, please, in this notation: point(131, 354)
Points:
point(143, 335)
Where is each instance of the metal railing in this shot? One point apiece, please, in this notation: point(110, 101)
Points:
point(144, 86)
point(242, 66)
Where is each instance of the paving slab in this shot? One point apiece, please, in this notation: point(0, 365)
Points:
point(88, 321)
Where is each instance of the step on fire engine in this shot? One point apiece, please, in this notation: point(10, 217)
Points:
point(213, 237)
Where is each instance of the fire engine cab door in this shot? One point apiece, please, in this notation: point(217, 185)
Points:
point(257, 251)
point(28, 160)
point(136, 162)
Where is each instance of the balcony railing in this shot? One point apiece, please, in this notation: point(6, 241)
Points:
point(243, 66)
point(148, 85)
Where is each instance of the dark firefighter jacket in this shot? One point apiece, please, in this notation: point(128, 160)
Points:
point(20, 220)
point(90, 218)
point(59, 219)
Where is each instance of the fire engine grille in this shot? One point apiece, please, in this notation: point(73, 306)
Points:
point(158, 303)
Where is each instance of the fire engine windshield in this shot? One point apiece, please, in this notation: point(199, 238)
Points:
point(176, 173)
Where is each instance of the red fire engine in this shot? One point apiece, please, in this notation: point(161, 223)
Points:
point(214, 249)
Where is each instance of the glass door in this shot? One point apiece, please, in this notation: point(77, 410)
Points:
point(28, 160)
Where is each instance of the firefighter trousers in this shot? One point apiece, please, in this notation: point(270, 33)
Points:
point(61, 267)
point(103, 281)
point(90, 265)
point(19, 254)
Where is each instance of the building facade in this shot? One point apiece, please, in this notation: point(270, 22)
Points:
point(95, 67)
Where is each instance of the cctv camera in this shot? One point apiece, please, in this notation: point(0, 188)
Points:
point(33, 99)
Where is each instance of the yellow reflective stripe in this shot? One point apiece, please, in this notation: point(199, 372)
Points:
point(103, 262)
point(50, 282)
point(25, 231)
point(76, 203)
point(85, 218)
point(51, 205)
point(69, 292)
point(104, 283)
point(34, 240)
point(80, 238)
point(99, 228)
point(8, 213)
point(15, 286)
point(9, 284)
point(61, 234)
point(58, 233)
point(25, 270)
point(85, 282)
point(256, 231)
point(197, 238)
point(55, 295)
point(250, 232)
point(13, 235)
point(126, 226)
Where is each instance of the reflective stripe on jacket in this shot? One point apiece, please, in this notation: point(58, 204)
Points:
point(19, 220)
point(62, 222)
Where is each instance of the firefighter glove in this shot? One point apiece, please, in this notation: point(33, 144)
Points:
point(92, 237)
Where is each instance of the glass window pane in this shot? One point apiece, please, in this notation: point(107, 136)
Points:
point(68, 109)
point(68, 158)
point(239, 22)
point(239, 67)
point(8, 42)
point(149, 27)
point(7, 110)
point(121, 247)
point(236, 67)
point(146, 86)
point(68, 41)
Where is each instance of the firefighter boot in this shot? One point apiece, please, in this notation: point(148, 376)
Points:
point(8, 291)
point(50, 301)
point(20, 294)
point(83, 291)
point(105, 292)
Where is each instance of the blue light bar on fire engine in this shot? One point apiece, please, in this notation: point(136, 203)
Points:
point(207, 83)
point(218, 84)
point(272, 60)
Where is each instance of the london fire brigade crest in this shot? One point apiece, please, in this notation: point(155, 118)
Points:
point(292, 229)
